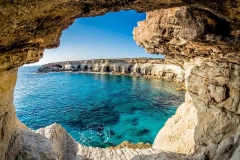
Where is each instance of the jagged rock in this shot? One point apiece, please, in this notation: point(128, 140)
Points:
point(178, 133)
point(185, 32)
point(153, 67)
point(200, 36)
point(27, 144)
point(8, 120)
point(63, 144)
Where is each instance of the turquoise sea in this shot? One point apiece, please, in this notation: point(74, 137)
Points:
point(96, 109)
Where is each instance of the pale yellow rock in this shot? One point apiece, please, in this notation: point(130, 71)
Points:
point(156, 68)
point(205, 30)
point(8, 120)
point(178, 133)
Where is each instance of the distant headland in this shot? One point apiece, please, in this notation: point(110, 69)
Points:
point(147, 67)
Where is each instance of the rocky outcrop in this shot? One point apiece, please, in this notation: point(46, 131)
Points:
point(143, 66)
point(184, 33)
point(178, 133)
point(8, 120)
point(208, 120)
point(53, 142)
point(200, 36)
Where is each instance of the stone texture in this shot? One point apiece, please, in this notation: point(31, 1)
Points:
point(29, 145)
point(125, 154)
point(200, 36)
point(63, 144)
point(127, 144)
point(8, 120)
point(157, 68)
point(28, 27)
point(185, 32)
point(178, 133)
point(53, 142)
point(210, 58)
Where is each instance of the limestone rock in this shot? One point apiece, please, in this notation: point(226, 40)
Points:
point(211, 77)
point(8, 120)
point(125, 154)
point(63, 144)
point(143, 66)
point(51, 142)
point(184, 32)
point(178, 133)
point(29, 145)
point(203, 37)
point(126, 144)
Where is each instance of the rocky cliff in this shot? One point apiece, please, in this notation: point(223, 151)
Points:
point(203, 37)
point(208, 120)
point(143, 66)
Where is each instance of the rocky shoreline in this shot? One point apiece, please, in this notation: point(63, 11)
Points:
point(146, 67)
point(203, 37)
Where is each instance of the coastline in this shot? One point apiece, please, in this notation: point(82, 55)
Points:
point(147, 68)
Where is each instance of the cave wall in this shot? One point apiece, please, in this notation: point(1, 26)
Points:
point(204, 34)
point(8, 120)
point(210, 116)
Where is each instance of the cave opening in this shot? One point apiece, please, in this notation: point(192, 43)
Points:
point(138, 70)
point(212, 141)
point(119, 69)
point(130, 68)
point(86, 44)
point(107, 69)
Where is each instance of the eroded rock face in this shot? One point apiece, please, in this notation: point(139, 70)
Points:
point(54, 143)
point(28, 27)
point(185, 33)
point(210, 57)
point(156, 68)
point(203, 35)
point(8, 120)
point(178, 133)
point(49, 143)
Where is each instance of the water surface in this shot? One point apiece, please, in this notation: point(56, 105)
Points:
point(96, 109)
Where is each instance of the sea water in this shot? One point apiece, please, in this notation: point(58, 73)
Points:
point(96, 109)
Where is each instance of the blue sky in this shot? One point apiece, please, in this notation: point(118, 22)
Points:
point(107, 36)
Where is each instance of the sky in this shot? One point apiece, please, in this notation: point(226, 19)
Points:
point(108, 36)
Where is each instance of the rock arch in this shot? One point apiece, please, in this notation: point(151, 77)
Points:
point(188, 35)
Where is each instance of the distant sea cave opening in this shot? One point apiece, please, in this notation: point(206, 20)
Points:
point(58, 66)
point(119, 69)
point(107, 69)
point(130, 68)
point(139, 70)
point(94, 107)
